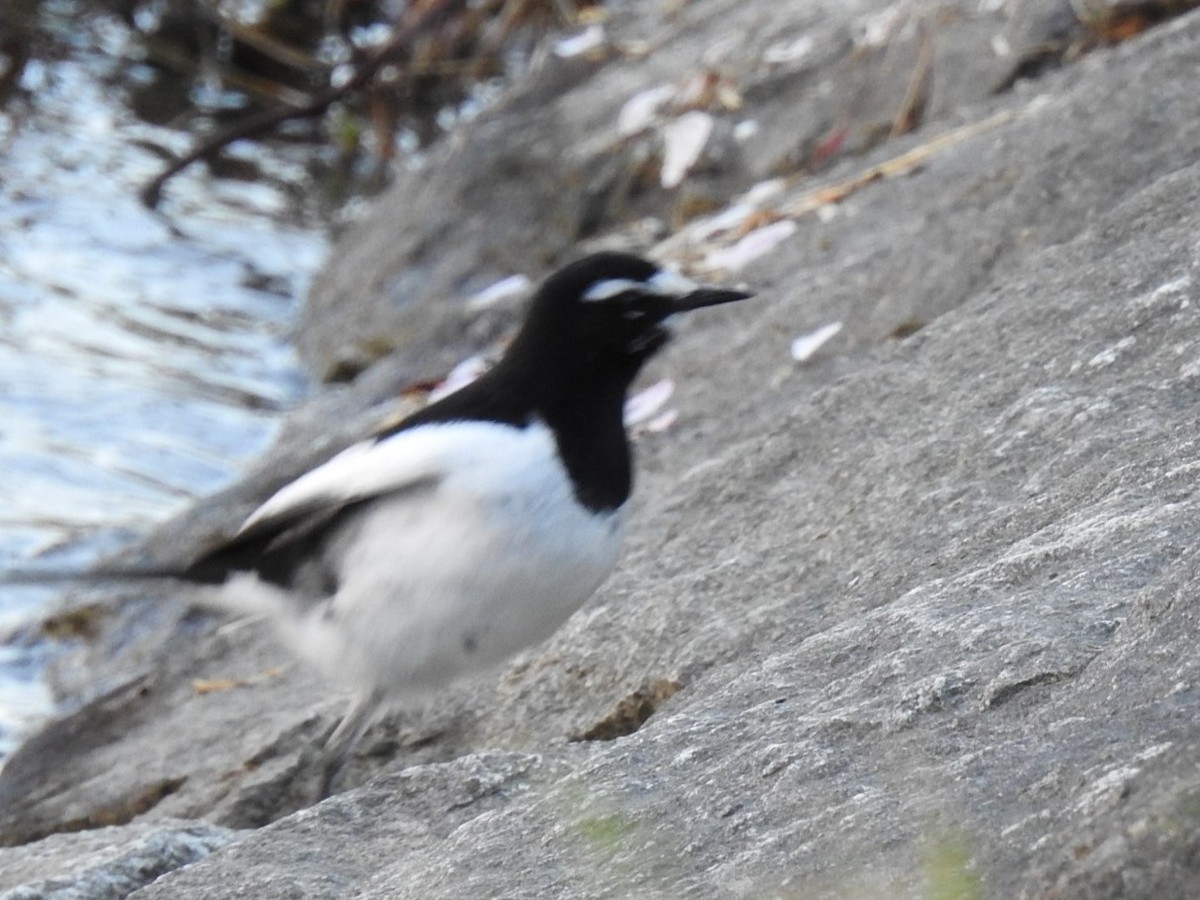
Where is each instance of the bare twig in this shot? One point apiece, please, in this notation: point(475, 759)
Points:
point(263, 42)
point(897, 165)
point(916, 97)
point(419, 18)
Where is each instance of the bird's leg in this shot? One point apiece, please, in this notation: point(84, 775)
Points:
point(341, 743)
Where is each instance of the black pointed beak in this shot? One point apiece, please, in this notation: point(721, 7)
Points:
point(705, 296)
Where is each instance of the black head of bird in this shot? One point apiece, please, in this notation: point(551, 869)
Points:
point(605, 315)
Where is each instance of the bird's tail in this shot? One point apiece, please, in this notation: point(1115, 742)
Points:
point(305, 629)
point(244, 594)
point(54, 576)
point(241, 593)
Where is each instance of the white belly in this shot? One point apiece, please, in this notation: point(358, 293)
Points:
point(455, 578)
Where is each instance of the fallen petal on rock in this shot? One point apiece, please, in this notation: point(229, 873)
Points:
point(460, 376)
point(591, 38)
point(512, 286)
point(764, 190)
point(662, 421)
point(645, 403)
point(877, 29)
point(745, 129)
point(685, 139)
point(642, 109)
point(726, 220)
point(806, 345)
point(735, 216)
point(789, 51)
point(757, 243)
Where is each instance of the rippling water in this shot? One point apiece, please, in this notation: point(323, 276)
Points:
point(143, 359)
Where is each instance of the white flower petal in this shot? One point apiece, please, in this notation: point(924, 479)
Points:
point(512, 286)
point(685, 140)
point(662, 421)
point(806, 345)
point(757, 243)
point(642, 109)
point(591, 38)
point(645, 403)
point(789, 51)
point(460, 376)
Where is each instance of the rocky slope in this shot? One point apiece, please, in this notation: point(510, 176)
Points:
point(915, 616)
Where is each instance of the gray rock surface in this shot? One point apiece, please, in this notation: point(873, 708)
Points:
point(104, 862)
point(931, 600)
point(547, 166)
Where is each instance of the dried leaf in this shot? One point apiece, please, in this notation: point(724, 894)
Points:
point(916, 97)
point(759, 218)
point(828, 146)
point(897, 165)
point(214, 685)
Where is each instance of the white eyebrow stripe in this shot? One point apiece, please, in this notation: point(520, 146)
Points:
point(665, 283)
point(611, 287)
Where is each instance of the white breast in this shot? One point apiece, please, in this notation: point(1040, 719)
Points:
point(456, 576)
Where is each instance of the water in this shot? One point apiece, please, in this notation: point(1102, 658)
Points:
point(144, 359)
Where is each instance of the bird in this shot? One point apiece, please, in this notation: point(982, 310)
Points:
point(443, 545)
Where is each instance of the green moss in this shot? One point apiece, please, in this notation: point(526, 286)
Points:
point(948, 873)
point(605, 833)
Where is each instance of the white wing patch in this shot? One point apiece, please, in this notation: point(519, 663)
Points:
point(373, 468)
